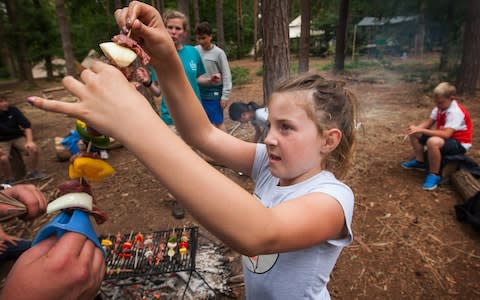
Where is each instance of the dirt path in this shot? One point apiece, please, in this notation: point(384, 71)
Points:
point(408, 243)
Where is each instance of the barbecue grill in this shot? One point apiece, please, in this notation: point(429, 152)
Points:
point(136, 264)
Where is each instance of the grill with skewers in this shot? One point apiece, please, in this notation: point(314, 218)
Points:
point(138, 254)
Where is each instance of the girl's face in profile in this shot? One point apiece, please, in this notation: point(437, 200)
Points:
point(293, 142)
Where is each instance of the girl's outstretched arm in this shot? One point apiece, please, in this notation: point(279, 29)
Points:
point(114, 107)
point(187, 112)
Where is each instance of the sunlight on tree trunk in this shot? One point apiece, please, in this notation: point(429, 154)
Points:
point(65, 33)
point(276, 53)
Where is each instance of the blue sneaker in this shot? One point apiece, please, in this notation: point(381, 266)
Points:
point(431, 182)
point(414, 164)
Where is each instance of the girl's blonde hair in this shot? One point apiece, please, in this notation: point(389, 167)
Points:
point(175, 14)
point(329, 106)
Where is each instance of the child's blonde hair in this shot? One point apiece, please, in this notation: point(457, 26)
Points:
point(445, 89)
point(329, 106)
point(175, 14)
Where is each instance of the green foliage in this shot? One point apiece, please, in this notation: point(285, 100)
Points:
point(240, 75)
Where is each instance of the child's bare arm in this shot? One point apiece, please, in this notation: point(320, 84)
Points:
point(222, 206)
point(186, 111)
point(427, 123)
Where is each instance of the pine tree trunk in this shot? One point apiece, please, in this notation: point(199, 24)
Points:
point(341, 36)
point(448, 38)
point(65, 34)
point(219, 21)
point(42, 22)
point(5, 52)
point(182, 6)
point(470, 68)
point(239, 27)
point(24, 66)
point(196, 12)
point(255, 29)
point(276, 54)
point(304, 50)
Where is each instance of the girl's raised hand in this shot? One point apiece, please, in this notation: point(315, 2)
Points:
point(146, 26)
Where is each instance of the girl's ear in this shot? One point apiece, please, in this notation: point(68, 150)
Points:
point(332, 138)
point(245, 116)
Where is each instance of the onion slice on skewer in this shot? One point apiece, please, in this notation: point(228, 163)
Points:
point(121, 56)
point(71, 200)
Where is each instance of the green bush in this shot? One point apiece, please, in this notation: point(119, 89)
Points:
point(240, 75)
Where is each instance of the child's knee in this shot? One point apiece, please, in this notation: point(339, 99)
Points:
point(435, 142)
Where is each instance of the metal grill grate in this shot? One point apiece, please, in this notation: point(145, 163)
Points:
point(123, 262)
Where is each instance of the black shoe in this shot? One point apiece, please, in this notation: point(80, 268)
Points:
point(177, 210)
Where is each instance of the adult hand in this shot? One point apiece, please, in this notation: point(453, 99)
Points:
point(68, 268)
point(29, 195)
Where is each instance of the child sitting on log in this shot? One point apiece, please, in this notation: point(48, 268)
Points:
point(451, 135)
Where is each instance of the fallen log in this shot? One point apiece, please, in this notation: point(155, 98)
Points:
point(465, 184)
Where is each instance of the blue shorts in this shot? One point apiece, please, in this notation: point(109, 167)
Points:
point(214, 111)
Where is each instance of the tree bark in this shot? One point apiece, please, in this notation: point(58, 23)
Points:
point(196, 12)
point(304, 49)
point(276, 53)
point(24, 66)
point(219, 21)
point(448, 38)
point(341, 36)
point(46, 44)
point(470, 67)
point(65, 34)
point(182, 6)
point(239, 27)
point(5, 52)
point(465, 184)
point(255, 29)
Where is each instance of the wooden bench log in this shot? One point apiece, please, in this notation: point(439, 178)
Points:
point(465, 184)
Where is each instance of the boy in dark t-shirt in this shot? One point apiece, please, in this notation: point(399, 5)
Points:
point(15, 131)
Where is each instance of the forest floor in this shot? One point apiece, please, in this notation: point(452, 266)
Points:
point(408, 243)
